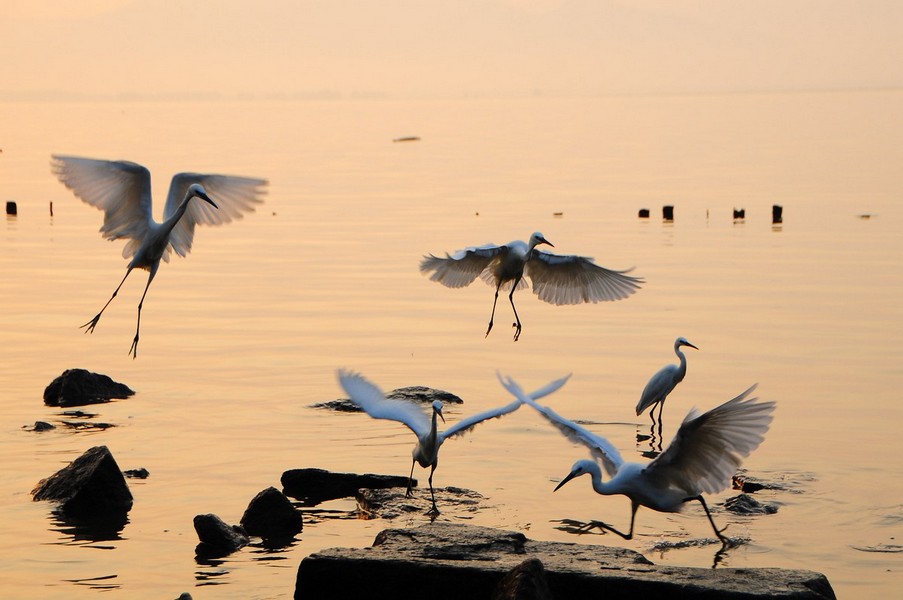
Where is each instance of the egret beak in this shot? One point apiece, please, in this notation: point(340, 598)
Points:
point(690, 345)
point(207, 199)
point(440, 415)
point(565, 480)
point(545, 241)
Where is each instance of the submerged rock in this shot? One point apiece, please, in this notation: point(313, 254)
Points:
point(270, 515)
point(744, 504)
point(414, 393)
point(217, 537)
point(392, 502)
point(91, 486)
point(451, 561)
point(77, 387)
point(313, 486)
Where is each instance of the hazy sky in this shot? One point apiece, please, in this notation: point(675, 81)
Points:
point(445, 47)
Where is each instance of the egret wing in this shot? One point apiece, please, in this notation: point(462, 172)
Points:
point(461, 268)
point(600, 448)
point(660, 385)
point(366, 395)
point(573, 279)
point(121, 189)
point(465, 425)
point(233, 196)
point(708, 448)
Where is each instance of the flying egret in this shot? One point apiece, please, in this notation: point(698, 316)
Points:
point(122, 190)
point(367, 396)
point(702, 457)
point(663, 382)
point(556, 279)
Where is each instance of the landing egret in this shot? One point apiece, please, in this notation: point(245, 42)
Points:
point(556, 279)
point(367, 396)
point(663, 382)
point(702, 457)
point(122, 190)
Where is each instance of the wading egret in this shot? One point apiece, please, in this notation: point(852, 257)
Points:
point(556, 279)
point(663, 382)
point(367, 396)
point(702, 457)
point(122, 190)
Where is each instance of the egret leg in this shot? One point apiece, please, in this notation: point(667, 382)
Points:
point(494, 302)
point(435, 509)
point(517, 318)
point(134, 349)
point(408, 494)
point(606, 527)
point(718, 532)
point(90, 325)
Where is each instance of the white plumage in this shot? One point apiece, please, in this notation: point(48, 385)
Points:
point(663, 382)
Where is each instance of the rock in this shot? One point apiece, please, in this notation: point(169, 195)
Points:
point(526, 581)
point(313, 486)
point(414, 393)
point(139, 473)
point(391, 503)
point(271, 516)
point(448, 560)
point(91, 486)
point(217, 537)
point(744, 504)
point(77, 387)
point(43, 426)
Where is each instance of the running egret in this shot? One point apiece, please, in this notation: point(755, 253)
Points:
point(556, 279)
point(122, 190)
point(367, 396)
point(705, 453)
point(663, 382)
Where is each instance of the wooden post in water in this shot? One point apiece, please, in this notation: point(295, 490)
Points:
point(777, 213)
point(739, 213)
point(668, 212)
point(11, 208)
point(644, 213)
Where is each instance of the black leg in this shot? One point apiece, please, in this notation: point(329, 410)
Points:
point(718, 532)
point(516, 318)
point(606, 527)
point(134, 349)
point(494, 301)
point(435, 509)
point(90, 325)
point(408, 494)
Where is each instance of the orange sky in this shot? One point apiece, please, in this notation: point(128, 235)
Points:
point(439, 47)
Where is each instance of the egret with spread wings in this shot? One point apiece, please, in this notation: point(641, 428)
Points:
point(702, 457)
point(367, 396)
point(557, 279)
point(122, 190)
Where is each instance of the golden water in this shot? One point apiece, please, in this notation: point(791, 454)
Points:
point(240, 338)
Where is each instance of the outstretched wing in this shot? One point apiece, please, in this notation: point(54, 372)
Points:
point(372, 400)
point(461, 268)
point(573, 279)
point(121, 189)
point(708, 448)
point(465, 425)
point(600, 448)
point(233, 195)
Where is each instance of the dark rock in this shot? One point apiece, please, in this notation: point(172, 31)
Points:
point(313, 486)
point(668, 212)
point(644, 213)
point(140, 473)
point(414, 393)
point(217, 537)
point(526, 581)
point(454, 561)
point(43, 426)
point(87, 426)
point(744, 504)
point(77, 387)
point(391, 503)
point(749, 484)
point(91, 486)
point(11, 208)
point(271, 516)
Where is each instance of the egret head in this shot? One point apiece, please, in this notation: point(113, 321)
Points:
point(437, 409)
point(537, 238)
point(581, 467)
point(197, 190)
point(682, 341)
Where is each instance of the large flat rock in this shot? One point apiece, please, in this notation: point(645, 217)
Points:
point(446, 560)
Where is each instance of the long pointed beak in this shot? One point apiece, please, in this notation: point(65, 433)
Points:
point(545, 241)
point(206, 198)
point(439, 412)
point(691, 345)
point(564, 481)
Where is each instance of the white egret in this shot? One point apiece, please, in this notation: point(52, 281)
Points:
point(663, 382)
point(702, 457)
point(556, 278)
point(367, 396)
point(122, 190)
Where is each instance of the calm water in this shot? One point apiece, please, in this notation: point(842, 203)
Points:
point(240, 338)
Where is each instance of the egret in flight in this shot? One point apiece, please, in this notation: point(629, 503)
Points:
point(122, 190)
point(367, 396)
point(702, 457)
point(556, 278)
point(663, 382)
